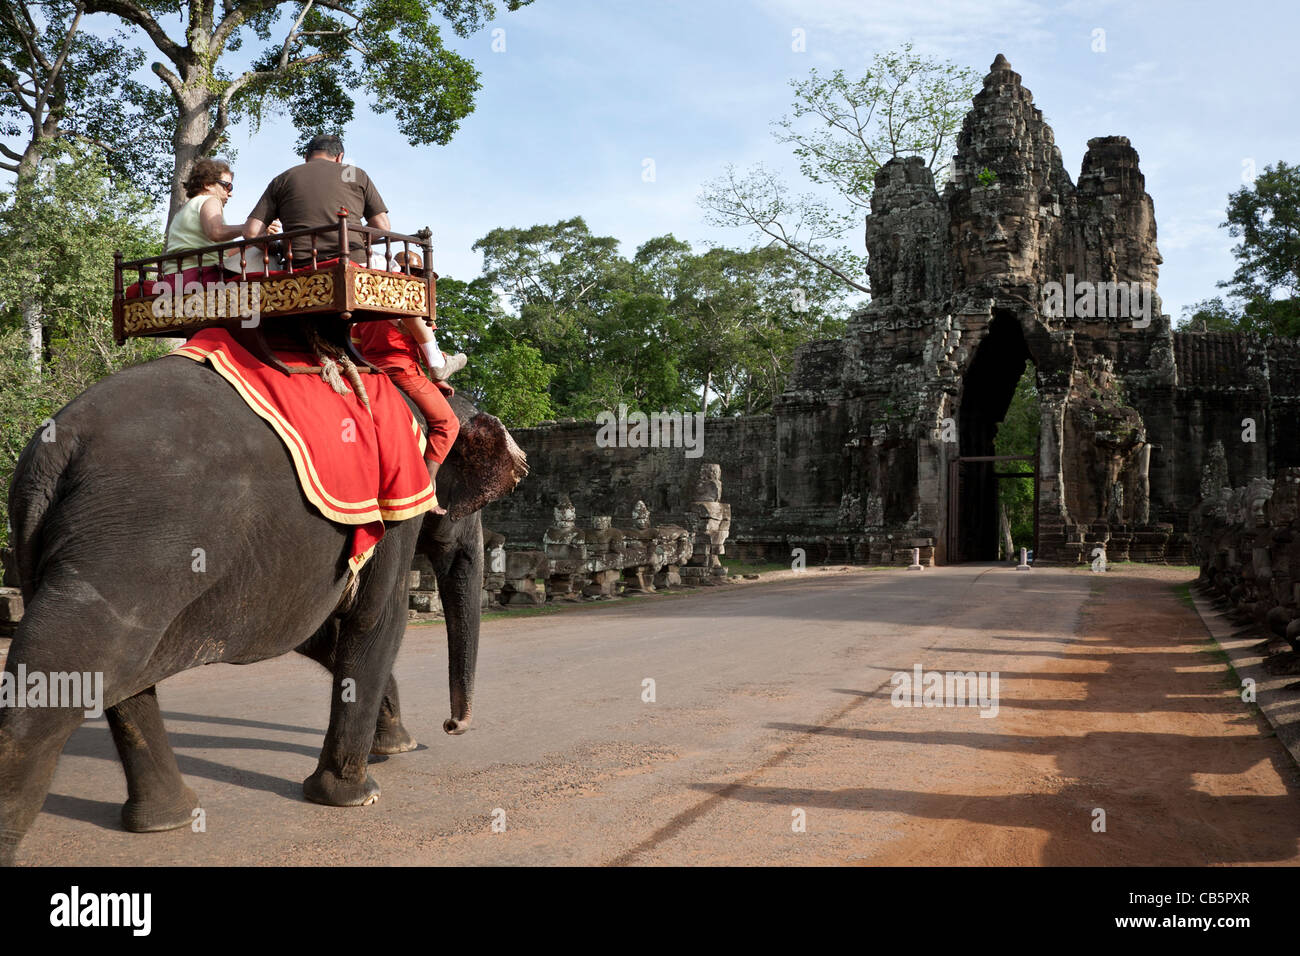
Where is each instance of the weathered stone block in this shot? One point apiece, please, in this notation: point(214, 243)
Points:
point(11, 605)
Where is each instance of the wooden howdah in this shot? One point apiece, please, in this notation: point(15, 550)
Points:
point(329, 295)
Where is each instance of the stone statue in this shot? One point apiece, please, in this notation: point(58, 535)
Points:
point(1115, 513)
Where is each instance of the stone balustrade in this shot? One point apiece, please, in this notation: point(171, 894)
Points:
point(602, 561)
point(1247, 542)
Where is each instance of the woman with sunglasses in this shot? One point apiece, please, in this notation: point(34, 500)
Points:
point(201, 221)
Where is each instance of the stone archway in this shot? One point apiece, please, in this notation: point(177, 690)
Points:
point(987, 389)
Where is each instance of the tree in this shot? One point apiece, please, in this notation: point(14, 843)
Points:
point(1259, 315)
point(842, 132)
point(505, 377)
point(57, 238)
point(1263, 295)
point(325, 51)
point(59, 82)
point(745, 312)
point(58, 235)
point(1017, 434)
point(1266, 217)
point(668, 330)
point(561, 280)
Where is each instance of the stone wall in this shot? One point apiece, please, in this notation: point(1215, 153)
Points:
point(564, 461)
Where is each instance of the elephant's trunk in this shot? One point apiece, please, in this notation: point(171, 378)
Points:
point(462, 652)
point(462, 590)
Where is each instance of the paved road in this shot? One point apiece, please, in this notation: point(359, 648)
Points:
point(752, 684)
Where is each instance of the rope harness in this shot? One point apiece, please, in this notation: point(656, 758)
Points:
point(332, 359)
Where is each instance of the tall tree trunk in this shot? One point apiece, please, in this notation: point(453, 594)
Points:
point(1008, 547)
point(192, 125)
point(32, 313)
point(33, 335)
point(704, 398)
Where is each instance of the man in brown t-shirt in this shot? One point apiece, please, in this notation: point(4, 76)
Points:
point(310, 195)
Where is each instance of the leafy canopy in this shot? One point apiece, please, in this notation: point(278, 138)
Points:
point(842, 131)
point(1263, 295)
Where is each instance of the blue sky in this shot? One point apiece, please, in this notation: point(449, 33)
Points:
point(585, 91)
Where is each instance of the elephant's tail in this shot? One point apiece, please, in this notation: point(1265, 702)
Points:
point(37, 484)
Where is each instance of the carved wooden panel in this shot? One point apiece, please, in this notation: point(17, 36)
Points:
point(397, 293)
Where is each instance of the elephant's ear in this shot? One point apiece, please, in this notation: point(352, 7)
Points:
point(487, 465)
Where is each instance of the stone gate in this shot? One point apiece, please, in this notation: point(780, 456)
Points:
point(1012, 263)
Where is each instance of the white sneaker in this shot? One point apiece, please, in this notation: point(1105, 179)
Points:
point(450, 366)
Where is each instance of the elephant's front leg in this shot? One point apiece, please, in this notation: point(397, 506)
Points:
point(363, 663)
point(391, 735)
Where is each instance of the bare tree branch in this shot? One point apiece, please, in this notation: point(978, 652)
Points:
point(133, 13)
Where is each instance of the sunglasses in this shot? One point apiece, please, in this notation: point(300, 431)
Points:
point(228, 187)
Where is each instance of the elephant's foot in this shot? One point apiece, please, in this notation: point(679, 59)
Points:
point(392, 738)
point(328, 788)
point(154, 815)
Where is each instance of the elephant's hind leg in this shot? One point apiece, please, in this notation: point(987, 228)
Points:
point(157, 798)
point(31, 740)
point(31, 736)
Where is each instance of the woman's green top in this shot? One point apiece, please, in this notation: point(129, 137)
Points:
point(186, 232)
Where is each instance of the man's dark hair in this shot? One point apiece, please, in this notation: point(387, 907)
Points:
point(328, 144)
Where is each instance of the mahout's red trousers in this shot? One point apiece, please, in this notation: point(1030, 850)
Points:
point(444, 426)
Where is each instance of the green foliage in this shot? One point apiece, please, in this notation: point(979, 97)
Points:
point(88, 96)
point(987, 177)
point(1018, 435)
point(1260, 315)
point(515, 382)
point(652, 332)
point(1263, 295)
point(58, 232)
point(1266, 217)
point(306, 61)
point(57, 237)
point(504, 377)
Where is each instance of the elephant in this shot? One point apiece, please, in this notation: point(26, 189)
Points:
point(158, 461)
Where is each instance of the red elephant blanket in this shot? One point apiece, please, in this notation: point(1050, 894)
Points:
point(357, 466)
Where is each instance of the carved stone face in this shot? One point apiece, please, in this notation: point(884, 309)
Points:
point(1001, 237)
point(1258, 492)
point(564, 514)
point(640, 516)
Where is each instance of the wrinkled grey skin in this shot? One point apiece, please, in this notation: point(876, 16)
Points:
point(149, 465)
